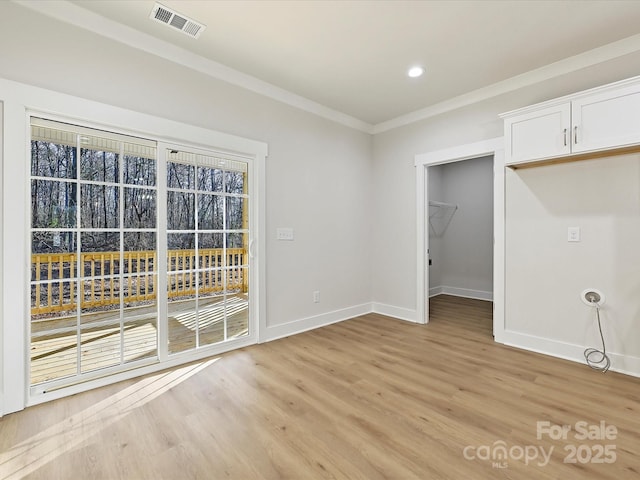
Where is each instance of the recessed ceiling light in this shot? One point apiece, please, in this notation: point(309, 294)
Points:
point(415, 72)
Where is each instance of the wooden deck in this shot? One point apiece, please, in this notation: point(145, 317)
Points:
point(54, 352)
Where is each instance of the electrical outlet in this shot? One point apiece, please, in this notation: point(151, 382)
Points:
point(316, 296)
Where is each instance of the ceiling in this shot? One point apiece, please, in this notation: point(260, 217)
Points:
point(352, 56)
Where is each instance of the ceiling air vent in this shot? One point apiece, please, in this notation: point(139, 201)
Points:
point(165, 15)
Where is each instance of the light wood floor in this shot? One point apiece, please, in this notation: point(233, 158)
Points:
point(370, 398)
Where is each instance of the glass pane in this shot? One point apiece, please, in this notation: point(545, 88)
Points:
point(181, 241)
point(237, 240)
point(209, 179)
point(140, 337)
point(100, 253)
point(181, 251)
point(211, 319)
point(140, 317)
point(139, 291)
point(181, 285)
point(139, 208)
point(53, 255)
point(139, 171)
point(53, 355)
point(99, 206)
point(180, 211)
point(97, 165)
point(182, 325)
point(100, 242)
point(210, 250)
point(181, 176)
point(100, 345)
point(53, 331)
point(53, 242)
point(53, 300)
point(140, 252)
point(238, 314)
point(139, 241)
point(100, 299)
point(53, 204)
point(235, 213)
point(236, 280)
point(210, 208)
point(235, 182)
point(210, 283)
point(53, 160)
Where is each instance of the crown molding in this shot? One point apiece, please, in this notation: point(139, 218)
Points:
point(70, 13)
point(547, 72)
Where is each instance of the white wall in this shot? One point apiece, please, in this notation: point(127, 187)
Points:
point(1, 255)
point(463, 254)
point(546, 274)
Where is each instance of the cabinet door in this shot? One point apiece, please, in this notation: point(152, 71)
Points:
point(607, 119)
point(538, 134)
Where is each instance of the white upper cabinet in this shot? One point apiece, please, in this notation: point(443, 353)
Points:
point(540, 133)
point(599, 119)
point(606, 120)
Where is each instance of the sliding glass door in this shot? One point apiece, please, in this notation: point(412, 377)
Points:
point(207, 250)
point(137, 255)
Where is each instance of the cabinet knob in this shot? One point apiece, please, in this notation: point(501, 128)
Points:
point(575, 135)
point(565, 137)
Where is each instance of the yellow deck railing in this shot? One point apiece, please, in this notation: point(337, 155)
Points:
point(55, 275)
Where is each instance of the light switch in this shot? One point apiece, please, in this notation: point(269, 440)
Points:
point(284, 233)
point(573, 234)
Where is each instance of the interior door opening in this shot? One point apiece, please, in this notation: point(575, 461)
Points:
point(487, 148)
point(459, 231)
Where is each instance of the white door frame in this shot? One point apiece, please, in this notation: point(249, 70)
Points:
point(495, 147)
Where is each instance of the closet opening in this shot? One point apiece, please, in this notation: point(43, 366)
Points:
point(460, 232)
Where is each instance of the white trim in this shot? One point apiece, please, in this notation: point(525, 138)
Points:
point(495, 147)
point(422, 273)
point(68, 12)
point(562, 67)
point(461, 292)
point(1, 257)
point(396, 312)
point(294, 327)
point(460, 152)
point(535, 108)
point(626, 364)
point(435, 291)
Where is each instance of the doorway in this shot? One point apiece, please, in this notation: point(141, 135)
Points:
point(140, 254)
point(494, 148)
point(460, 228)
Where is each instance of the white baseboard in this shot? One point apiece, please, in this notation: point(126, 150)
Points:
point(395, 312)
point(461, 292)
point(304, 324)
point(434, 291)
point(626, 364)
